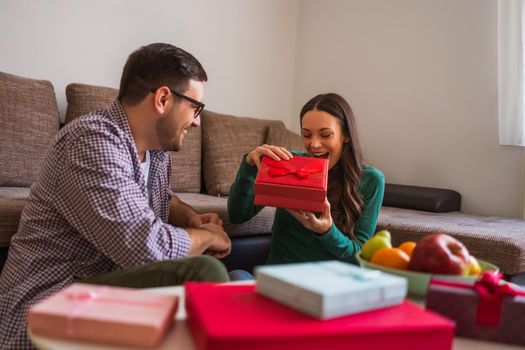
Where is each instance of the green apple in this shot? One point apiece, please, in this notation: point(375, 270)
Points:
point(384, 233)
point(374, 244)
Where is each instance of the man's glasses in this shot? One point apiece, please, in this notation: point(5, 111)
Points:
point(198, 106)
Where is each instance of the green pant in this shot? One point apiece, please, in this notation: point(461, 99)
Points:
point(164, 273)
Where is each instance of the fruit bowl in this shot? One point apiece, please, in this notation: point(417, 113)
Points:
point(418, 281)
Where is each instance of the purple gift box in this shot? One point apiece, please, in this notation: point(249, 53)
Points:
point(486, 309)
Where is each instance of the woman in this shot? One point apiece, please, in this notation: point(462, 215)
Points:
point(354, 196)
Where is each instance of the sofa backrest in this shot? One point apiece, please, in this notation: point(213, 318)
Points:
point(82, 99)
point(29, 119)
point(186, 164)
point(226, 139)
point(214, 150)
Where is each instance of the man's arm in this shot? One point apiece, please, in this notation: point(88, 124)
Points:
point(181, 214)
point(100, 199)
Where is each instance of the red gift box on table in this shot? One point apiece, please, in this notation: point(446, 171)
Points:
point(121, 316)
point(234, 317)
point(297, 183)
point(485, 309)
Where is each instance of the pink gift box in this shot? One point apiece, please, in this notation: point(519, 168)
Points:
point(121, 316)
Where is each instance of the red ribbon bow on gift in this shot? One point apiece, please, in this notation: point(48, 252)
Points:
point(491, 292)
point(282, 169)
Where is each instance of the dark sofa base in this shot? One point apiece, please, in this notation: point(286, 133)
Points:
point(248, 252)
point(518, 279)
point(3, 256)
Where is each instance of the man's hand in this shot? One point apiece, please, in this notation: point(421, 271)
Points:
point(209, 239)
point(220, 241)
point(311, 222)
point(197, 220)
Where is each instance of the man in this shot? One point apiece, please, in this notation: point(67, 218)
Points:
point(101, 210)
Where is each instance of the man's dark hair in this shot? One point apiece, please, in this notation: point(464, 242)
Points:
point(157, 65)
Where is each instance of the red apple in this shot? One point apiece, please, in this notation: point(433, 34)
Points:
point(440, 253)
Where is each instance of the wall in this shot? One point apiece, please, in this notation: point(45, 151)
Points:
point(421, 76)
point(246, 46)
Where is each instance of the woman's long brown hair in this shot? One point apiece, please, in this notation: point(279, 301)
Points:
point(343, 185)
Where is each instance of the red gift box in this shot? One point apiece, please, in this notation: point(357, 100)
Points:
point(121, 316)
point(485, 309)
point(297, 183)
point(234, 317)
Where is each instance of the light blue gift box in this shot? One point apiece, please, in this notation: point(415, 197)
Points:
point(329, 289)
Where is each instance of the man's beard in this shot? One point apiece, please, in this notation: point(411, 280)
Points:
point(168, 141)
point(173, 144)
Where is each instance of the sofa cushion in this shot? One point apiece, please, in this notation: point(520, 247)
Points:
point(279, 135)
point(186, 168)
point(29, 119)
point(497, 240)
point(225, 140)
point(203, 203)
point(437, 200)
point(186, 164)
point(82, 99)
point(12, 201)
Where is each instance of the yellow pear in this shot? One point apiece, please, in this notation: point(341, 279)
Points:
point(475, 268)
point(374, 244)
point(384, 233)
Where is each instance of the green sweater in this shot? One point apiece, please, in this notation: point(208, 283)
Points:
point(291, 241)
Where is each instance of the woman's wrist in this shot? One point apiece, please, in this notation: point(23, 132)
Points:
point(323, 230)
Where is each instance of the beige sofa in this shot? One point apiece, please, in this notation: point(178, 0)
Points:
point(204, 170)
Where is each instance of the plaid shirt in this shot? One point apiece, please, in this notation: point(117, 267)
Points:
point(88, 213)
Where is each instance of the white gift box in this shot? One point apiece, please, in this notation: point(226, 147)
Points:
point(329, 289)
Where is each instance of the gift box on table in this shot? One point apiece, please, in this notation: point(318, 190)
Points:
point(331, 288)
point(297, 183)
point(486, 309)
point(121, 316)
point(234, 317)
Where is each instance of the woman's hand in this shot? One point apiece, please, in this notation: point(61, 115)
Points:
point(274, 152)
point(311, 222)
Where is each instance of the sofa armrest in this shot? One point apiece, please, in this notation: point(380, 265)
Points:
point(437, 200)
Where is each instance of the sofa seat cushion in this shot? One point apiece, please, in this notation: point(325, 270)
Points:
point(500, 241)
point(203, 203)
point(186, 164)
point(12, 201)
point(29, 119)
